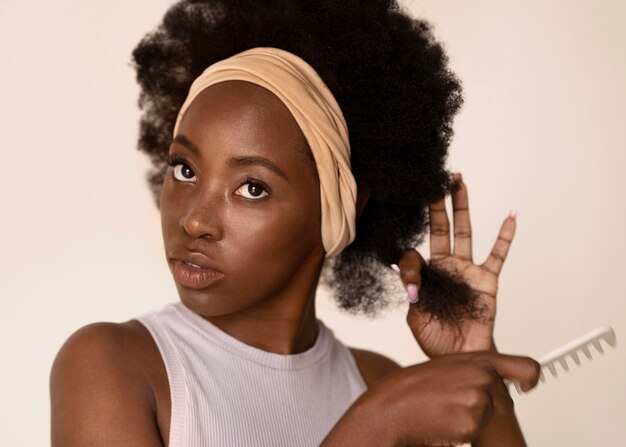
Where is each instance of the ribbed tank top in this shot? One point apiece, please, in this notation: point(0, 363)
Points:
point(227, 393)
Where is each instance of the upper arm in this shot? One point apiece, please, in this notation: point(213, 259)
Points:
point(99, 395)
point(372, 366)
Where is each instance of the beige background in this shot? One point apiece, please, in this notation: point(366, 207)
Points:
point(541, 132)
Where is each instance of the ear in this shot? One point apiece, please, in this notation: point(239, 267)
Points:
point(362, 195)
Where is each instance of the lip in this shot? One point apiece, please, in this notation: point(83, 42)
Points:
point(195, 277)
point(202, 274)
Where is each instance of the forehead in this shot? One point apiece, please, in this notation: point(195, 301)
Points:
point(243, 116)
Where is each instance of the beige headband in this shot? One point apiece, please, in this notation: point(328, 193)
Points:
point(317, 113)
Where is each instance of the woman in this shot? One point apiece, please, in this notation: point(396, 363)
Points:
point(260, 188)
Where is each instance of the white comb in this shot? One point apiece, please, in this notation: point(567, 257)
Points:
point(572, 350)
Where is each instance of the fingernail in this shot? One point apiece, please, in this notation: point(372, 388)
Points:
point(513, 214)
point(457, 176)
point(412, 293)
point(395, 268)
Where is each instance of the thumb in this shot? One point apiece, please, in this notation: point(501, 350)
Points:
point(516, 368)
point(410, 265)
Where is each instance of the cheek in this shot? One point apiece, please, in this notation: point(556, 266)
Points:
point(168, 208)
point(275, 244)
point(285, 225)
point(280, 235)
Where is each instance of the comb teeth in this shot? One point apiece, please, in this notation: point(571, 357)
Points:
point(572, 349)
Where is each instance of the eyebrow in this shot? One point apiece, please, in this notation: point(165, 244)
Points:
point(256, 161)
point(184, 141)
point(247, 160)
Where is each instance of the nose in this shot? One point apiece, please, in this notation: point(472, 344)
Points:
point(202, 218)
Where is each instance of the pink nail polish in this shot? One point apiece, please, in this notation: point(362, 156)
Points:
point(412, 293)
point(395, 268)
point(513, 214)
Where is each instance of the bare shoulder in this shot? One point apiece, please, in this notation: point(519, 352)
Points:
point(100, 390)
point(373, 366)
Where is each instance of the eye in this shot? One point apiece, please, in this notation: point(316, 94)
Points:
point(252, 191)
point(182, 172)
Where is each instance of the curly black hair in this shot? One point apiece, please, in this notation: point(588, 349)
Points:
point(390, 78)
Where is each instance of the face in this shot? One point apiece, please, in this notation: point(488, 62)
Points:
point(240, 205)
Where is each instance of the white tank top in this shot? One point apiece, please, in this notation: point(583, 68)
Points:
point(227, 393)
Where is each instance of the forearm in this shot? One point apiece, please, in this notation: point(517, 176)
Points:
point(359, 426)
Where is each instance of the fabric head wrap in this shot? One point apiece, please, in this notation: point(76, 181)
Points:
point(317, 113)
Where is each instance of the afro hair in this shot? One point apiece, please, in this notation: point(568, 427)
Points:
point(391, 80)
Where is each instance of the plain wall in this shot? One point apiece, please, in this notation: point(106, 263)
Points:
point(540, 132)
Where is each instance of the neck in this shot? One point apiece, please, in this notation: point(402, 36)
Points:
point(285, 324)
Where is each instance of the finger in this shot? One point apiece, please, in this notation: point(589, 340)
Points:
point(500, 249)
point(461, 220)
point(411, 265)
point(502, 395)
point(516, 368)
point(439, 230)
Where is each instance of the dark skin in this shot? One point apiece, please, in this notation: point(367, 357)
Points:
point(245, 201)
point(475, 335)
point(217, 215)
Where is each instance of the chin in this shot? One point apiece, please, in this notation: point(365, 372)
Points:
point(209, 304)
